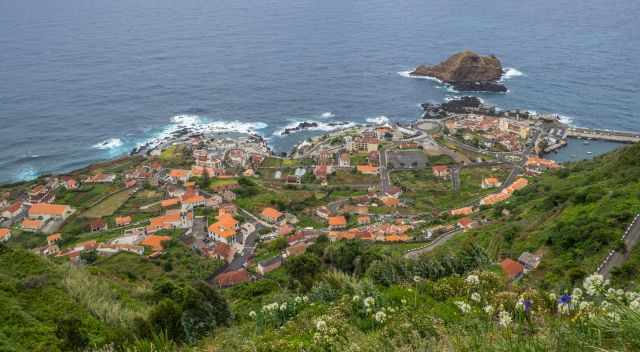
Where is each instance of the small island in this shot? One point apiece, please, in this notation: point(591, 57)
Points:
point(467, 71)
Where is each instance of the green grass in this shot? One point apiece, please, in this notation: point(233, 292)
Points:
point(108, 206)
point(425, 192)
point(344, 177)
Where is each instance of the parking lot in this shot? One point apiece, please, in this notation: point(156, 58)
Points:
point(407, 159)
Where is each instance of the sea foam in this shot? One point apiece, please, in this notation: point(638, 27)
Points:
point(407, 74)
point(328, 114)
point(511, 72)
point(322, 126)
point(197, 124)
point(107, 144)
point(378, 120)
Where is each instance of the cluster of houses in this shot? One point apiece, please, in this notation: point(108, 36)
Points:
point(504, 131)
point(506, 193)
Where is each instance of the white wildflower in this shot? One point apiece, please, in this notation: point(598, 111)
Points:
point(504, 319)
point(321, 325)
point(577, 293)
point(605, 305)
point(355, 298)
point(620, 293)
point(298, 299)
point(630, 296)
point(611, 293)
point(380, 317)
point(305, 299)
point(584, 305)
point(635, 305)
point(520, 304)
point(476, 297)
point(489, 309)
point(417, 278)
point(614, 316)
point(464, 307)
point(552, 296)
point(472, 279)
point(283, 307)
point(333, 331)
point(594, 284)
point(369, 302)
point(563, 308)
point(403, 301)
point(252, 314)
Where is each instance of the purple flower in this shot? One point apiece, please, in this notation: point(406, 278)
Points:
point(565, 299)
point(527, 305)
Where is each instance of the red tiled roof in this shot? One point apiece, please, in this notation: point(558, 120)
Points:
point(233, 278)
point(511, 268)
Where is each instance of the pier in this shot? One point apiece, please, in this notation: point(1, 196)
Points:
point(607, 135)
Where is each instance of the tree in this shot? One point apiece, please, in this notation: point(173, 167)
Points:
point(166, 316)
point(89, 257)
point(205, 180)
point(69, 331)
point(303, 269)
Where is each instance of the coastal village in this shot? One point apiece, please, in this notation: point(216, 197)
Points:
point(231, 200)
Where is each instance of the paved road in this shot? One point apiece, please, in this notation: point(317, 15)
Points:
point(249, 248)
point(385, 183)
point(455, 178)
point(413, 254)
point(618, 257)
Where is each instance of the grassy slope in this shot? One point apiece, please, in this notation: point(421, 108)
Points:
point(33, 298)
point(573, 216)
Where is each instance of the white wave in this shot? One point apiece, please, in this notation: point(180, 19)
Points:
point(195, 124)
point(511, 72)
point(27, 173)
point(455, 97)
point(378, 120)
point(407, 74)
point(565, 119)
point(107, 144)
point(327, 115)
point(321, 126)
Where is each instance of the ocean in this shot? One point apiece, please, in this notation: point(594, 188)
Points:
point(87, 80)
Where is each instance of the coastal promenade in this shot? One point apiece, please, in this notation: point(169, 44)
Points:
point(606, 135)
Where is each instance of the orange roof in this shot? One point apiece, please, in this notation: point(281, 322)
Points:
point(227, 220)
point(342, 235)
point(155, 242)
point(439, 168)
point(179, 173)
point(271, 213)
point(48, 209)
point(337, 221)
point(164, 221)
point(465, 222)
point(225, 227)
point(367, 168)
point(390, 201)
point(492, 181)
point(511, 268)
point(4, 233)
point(169, 202)
point(462, 211)
point(517, 184)
point(396, 238)
point(123, 220)
point(233, 277)
point(54, 237)
point(31, 224)
point(194, 199)
point(535, 161)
